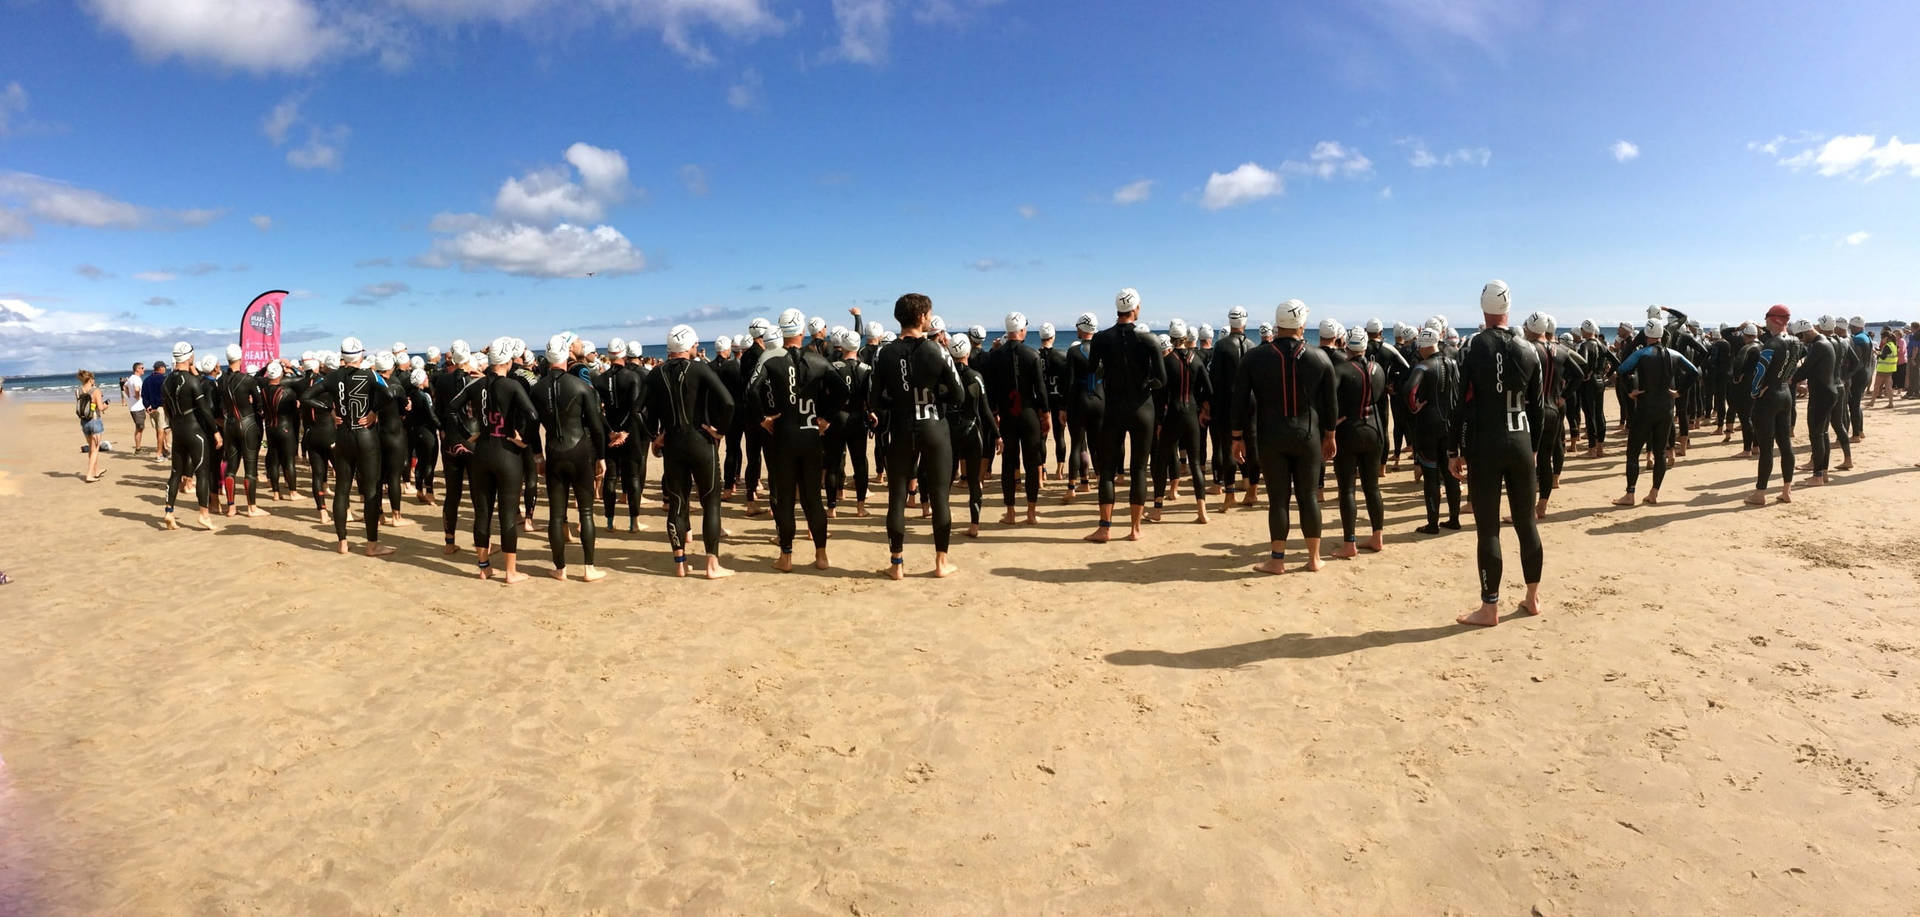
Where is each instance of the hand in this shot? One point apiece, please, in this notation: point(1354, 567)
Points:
point(1046, 423)
point(515, 439)
point(1419, 406)
point(767, 424)
point(873, 421)
point(540, 465)
point(997, 445)
point(1457, 467)
point(1328, 448)
point(617, 439)
point(1239, 452)
point(855, 310)
point(822, 423)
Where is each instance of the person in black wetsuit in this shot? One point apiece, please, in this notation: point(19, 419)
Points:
point(1360, 440)
point(1769, 370)
point(1056, 366)
point(391, 425)
point(1403, 335)
point(502, 411)
point(1819, 371)
point(282, 403)
point(1433, 398)
point(523, 373)
point(196, 434)
point(1223, 374)
point(575, 453)
point(726, 365)
point(1833, 328)
point(423, 433)
point(1086, 406)
point(915, 389)
point(242, 405)
point(619, 392)
point(1130, 367)
point(1179, 409)
point(973, 431)
point(797, 392)
point(747, 413)
point(1561, 372)
point(1284, 398)
point(1492, 445)
point(351, 399)
point(1861, 343)
point(457, 432)
point(847, 437)
point(316, 434)
point(1016, 380)
point(685, 408)
point(1656, 375)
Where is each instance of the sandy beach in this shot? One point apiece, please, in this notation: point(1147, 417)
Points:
point(1719, 713)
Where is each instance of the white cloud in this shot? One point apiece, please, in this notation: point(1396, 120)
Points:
point(1330, 158)
point(261, 221)
point(14, 225)
point(323, 149)
point(1423, 158)
point(13, 101)
point(1247, 183)
point(371, 293)
point(1856, 156)
point(38, 340)
point(1855, 238)
point(551, 195)
point(154, 276)
point(565, 250)
point(1624, 151)
point(695, 179)
point(1027, 211)
point(257, 35)
point(281, 119)
point(745, 94)
point(200, 216)
point(1134, 192)
point(863, 30)
point(58, 202)
point(1386, 193)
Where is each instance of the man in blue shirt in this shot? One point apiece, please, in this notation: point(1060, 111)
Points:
point(152, 394)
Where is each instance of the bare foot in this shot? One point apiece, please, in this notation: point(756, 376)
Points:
point(343, 548)
point(1816, 481)
point(893, 571)
point(1626, 499)
point(1153, 515)
point(379, 550)
point(1133, 533)
point(1313, 561)
point(820, 560)
point(1757, 498)
point(231, 508)
point(1273, 565)
point(973, 530)
point(1100, 535)
point(1033, 516)
point(1845, 466)
point(1068, 497)
point(1346, 549)
point(513, 579)
point(943, 569)
point(1540, 510)
point(1008, 519)
point(593, 574)
point(784, 564)
point(1653, 498)
point(715, 571)
point(1375, 544)
point(1786, 496)
point(206, 524)
point(1530, 606)
point(1485, 616)
point(1200, 514)
point(450, 550)
point(861, 512)
point(559, 574)
point(833, 512)
point(256, 512)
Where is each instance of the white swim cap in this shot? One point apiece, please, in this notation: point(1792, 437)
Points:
point(557, 350)
point(1748, 330)
point(459, 350)
point(936, 325)
point(275, 370)
point(1827, 323)
point(1290, 315)
point(433, 355)
point(351, 347)
point(1538, 323)
point(1427, 337)
point(1374, 326)
point(1165, 342)
point(329, 361)
point(1177, 329)
point(1799, 326)
point(1086, 322)
point(399, 348)
point(1655, 311)
point(1589, 327)
point(1655, 329)
point(417, 363)
point(1266, 329)
point(382, 362)
point(1857, 323)
point(1237, 318)
point(889, 338)
point(1146, 331)
point(723, 344)
point(1046, 331)
point(876, 331)
point(310, 364)
point(1126, 301)
point(1329, 330)
point(1206, 331)
point(682, 339)
point(634, 349)
point(791, 322)
point(1493, 298)
point(759, 328)
point(500, 351)
point(978, 333)
point(1016, 323)
point(1357, 343)
point(617, 346)
point(959, 347)
point(816, 324)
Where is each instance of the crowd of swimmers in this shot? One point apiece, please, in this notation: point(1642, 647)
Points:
point(794, 403)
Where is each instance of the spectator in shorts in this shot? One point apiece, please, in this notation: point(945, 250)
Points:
point(90, 406)
point(130, 392)
point(152, 394)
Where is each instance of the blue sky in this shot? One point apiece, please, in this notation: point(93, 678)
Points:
point(421, 170)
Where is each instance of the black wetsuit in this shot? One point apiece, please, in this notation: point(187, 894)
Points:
point(1861, 344)
point(748, 416)
point(1177, 408)
point(316, 439)
point(1056, 365)
point(1769, 371)
point(1562, 372)
point(350, 398)
point(457, 432)
point(189, 402)
point(242, 405)
point(1223, 373)
point(1656, 374)
point(576, 438)
point(1284, 400)
point(795, 386)
point(395, 445)
point(1740, 389)
point(685, 406)
point(504, 413)
point(620, 391)
point(1086, 409)
point(847, 436)
point(530, 459)
point(1129, 365)
point(423, 437)
point(282, 428)
point(1820, 370)
point(916, 388)
point(1016, 380)
point(1839, 419)
point(1360, 440)
point(727, 370)
point(1494, 430)
point(1433, 398)
point(973, 431)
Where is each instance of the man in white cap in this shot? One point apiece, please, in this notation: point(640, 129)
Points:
point(726, 366)
point(686, 409)
point(1223, 372)
point(1179, 408)
point(1600, 361)
point(1284, 402)
point(817, 335)
point(1819, 371)
point(1132, 371)
point(1360, 439)
point(281, 429)
point(1492, 447)
point(847, 437)
point(574, 452)
point(1056, 366)
point(1086, 406)
point(1861, 343)
point(196, 434)
point(618, 391)
point(242, 406)
point(350, 398)
point(797, 392)
point(1016, 381)
point(748, 413)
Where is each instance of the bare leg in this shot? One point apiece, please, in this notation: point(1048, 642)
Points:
point(1313, 554)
